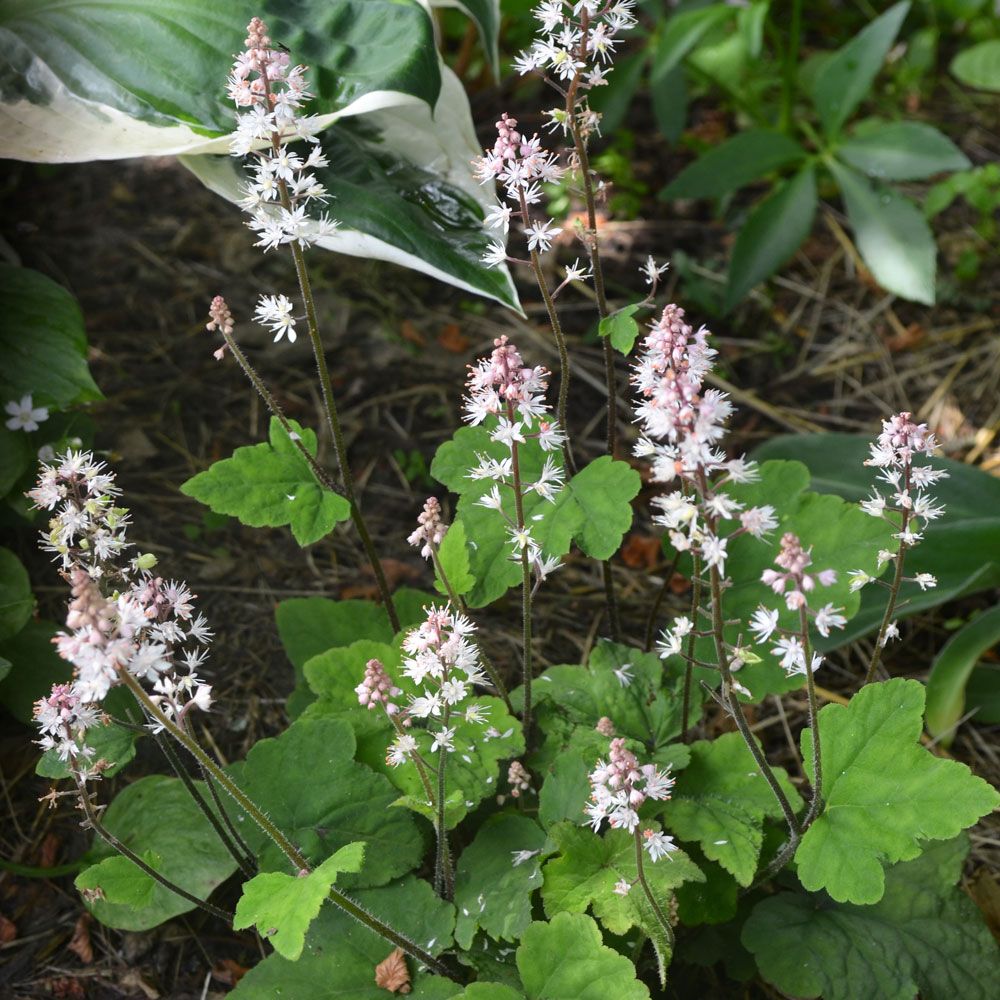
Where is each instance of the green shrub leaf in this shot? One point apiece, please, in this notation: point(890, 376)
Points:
point(16, 600)
point(979, 65)
point(892, 236)
point(308, 783)
point(847, 76)
point(117, 880)
point(902, 151)
point(952, 669)
point(565, 959)
point(621, 328)
point(340, 954)
point(924, 936)
point(156, 817)
point(772, 233)
point(733, 163)
point(721, 799)
point(453, 555)
point(283, 906)
point(113, 744)
point(884, 795)
point(495, 878)
point(269, 485)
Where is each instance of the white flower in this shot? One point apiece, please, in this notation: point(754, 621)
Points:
point(827, 618)
point(859, 578)
point(499, 218)
point(650, 271)
point(713, 551)
point(275, 312)
point(892, 632)
point(758, 521)
point(24, 415)
point(519, 857)
point(621, 887)
point(925, 581)
point(541, 235)
point(445, 738)
point(763, 624)
point(577, 273)
point(495, 254)
point(658, 845)
point(624, 674)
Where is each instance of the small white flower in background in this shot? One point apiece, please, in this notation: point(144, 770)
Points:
point(495, 255)
point(499, 218)
point(763, 623)
point(577, 273)
point(275, 312)
point(859, 578)
point(541, 234)
point(925, 581)
point(651, 271)
point(622, 887)
point(24, 415)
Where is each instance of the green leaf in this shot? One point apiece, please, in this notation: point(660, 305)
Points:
point(892, 236)
point(36, 667)
point(884, 795)
point(713, 901)
point(402, 191)
point(953, 666)
point(670, 103)
point(772, 233)
point(120, 882)
point(111, 743)
point(621, 327)
point(960, 548)
point(16, 600)
point(493, 888)
point(486, 15)
point(283, 906)
point(156, 816)
point(594, 508)
point(721, 799)
point(564, 791)
point(340, 954)
point(489, 991)
point(565, 959)
point(43, 342)
point(588, 867)
point(119, 78)
point(902, 151)
point(453, 555)
point(925, 936)
point(979, 65)
point(308, 783)
point(269, 485)
point(682, 33)
point(733, 163)
point(847, 76)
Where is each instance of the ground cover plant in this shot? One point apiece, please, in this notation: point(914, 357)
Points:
point(443, 812)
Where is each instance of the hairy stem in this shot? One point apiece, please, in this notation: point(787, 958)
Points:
point(109, 838)
point(525, 585)
point(890, 608)
point(689, 661)
point(661, 917)
point(444, 878)
point(294, 856)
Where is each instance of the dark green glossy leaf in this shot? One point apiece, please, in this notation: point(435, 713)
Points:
point(772, 233)
point(902, 151)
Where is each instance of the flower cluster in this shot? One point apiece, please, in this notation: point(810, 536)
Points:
point(377, 688)
point(619, 786)
point(283, 186)
point(682, 424)
point(522, 166)
point(443, 662)
point(576, 44)
point(121, 617)
point(518, 778)
point(502, 387)
point(430, 530)
point(795, 584)
point(906, 505)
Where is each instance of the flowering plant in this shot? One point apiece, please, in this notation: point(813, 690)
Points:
point(445, 814)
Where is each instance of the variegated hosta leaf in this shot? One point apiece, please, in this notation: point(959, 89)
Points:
point(107, 79)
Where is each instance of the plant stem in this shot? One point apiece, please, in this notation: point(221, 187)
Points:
point(718, 632)
point(487, 663)
point(890, 608)
point(109, 838)
point(654, 611)
point(817, 784)
point(444, 879)
point(790, 68)
point(688, 663)
point(525, 585)
point(641, 871)
point(294, 856)
point(243, 860)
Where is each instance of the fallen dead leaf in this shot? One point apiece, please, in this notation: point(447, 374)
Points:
point(80, 942)
point(452, 339)
point(392, 974)
point(985, 892)
point(228, 972)
point(49, 851)
point(641, 551)
point(8, 930)
point(906, 338)
point(411, 334)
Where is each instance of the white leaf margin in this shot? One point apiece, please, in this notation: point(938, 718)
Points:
point(443, 143)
